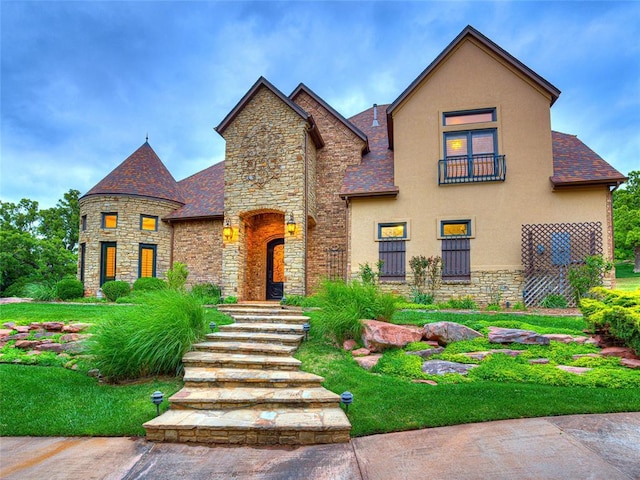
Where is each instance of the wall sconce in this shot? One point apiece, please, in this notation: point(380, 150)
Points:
point(291, 225)
point(227, 231)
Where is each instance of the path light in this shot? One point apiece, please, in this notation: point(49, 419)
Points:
point(306, 327)
point(212, 326)
point(227, 231)
point(156, 398)
point(346, 399)
point(291, 225)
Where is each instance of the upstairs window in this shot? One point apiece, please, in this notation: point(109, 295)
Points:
point(109, 220)
point(471, 116)
point(149, 223)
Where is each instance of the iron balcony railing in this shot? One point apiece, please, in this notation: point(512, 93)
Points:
point(471, 169)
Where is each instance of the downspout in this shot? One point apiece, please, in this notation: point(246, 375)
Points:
point(306, 210)
point(347, 233)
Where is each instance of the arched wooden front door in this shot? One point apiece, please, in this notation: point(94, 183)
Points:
point(275, 269)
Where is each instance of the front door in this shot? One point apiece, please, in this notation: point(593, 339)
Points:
point(275, 269)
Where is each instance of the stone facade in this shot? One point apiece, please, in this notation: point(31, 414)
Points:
point(128, 236)
point(198, 244)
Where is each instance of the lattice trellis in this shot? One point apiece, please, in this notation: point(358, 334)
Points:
point(549, 251)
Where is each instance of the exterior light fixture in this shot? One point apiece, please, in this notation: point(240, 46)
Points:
point(156, 398)
point(346, 398)
point(227, 231)
point(306, 327)
point(291, 225)
point(212, 326)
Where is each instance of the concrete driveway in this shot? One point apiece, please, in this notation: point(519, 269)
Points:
point(571, 447)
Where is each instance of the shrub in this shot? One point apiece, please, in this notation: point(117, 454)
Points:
point(461, 303)
point(115, 289)
point(149, 339)
point(69, 288)
point(399, 364)
point(583, 278)
point(208, 293)
point(230, 299)
point(147, 284)
point(368, 275)
point(294, 300)
point(421, 298)
point(554, 300)
point(177, 276)
point(42, 291)
point(426, 272)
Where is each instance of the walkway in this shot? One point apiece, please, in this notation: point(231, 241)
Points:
point(567, 448)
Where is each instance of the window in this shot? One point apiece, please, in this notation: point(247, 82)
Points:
point(148, 222)
point(456, 249)
point(81, 255)
point(471, 116)
point(83, 223)
point(147, 261)
point(108, 262)
point(392, 250)
point(109, 220)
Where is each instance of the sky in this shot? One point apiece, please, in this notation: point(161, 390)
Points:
point(83, 82)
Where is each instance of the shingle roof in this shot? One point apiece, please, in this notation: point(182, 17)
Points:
point(203, 193)
point(374, 175)
point(143, 174)
point(576, 164)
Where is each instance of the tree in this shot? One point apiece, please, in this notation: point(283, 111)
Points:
point(62, 221)
point(626, 219)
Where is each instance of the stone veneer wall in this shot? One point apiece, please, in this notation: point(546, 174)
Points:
point(264, 172)
point(128, 235)
point(341, 149)
point(198, 244)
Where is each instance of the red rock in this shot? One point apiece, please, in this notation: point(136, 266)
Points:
point(69, 337)
point(539, 361)
point(559, 337)
point(369, 361)
point(5, 332)
point(70, 329)
point(81, 326)
point(17, 336)
point(378, 336)
point(34, 352)
point(448, 332)
point(622, 352)
point(53, 326)
point(10, 325)
point(588, 355)
point(26, 344)
point(22, 329)
point(50, 347)
point(576, 370)
point(360, 352)
point(630, 362)
point(477, 355)
point(35, 326)
point(514, 335)
point(349, 345)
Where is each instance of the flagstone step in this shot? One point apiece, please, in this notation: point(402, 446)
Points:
point(295, 319)
point(246, 348)
point(262, 327)
point(256, 336)
point(281, 426)
point(252, 310)
point(212, 377)
point(239, 360)
point(225, 398)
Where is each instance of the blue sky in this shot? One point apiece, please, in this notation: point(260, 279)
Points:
point(82, 83)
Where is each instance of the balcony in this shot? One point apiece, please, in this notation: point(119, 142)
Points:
point(472, 169)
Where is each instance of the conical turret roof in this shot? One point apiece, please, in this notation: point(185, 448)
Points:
point(143, 174)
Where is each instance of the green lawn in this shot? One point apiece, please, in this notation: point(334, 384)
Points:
point(625, 278)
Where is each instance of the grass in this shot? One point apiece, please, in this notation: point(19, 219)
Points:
point(625, 278)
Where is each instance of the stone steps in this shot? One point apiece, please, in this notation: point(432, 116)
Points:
point(271, 398)
point(242, 386)
point(256, 336)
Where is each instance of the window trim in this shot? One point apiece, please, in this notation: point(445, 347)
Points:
point(103, 261)
point(147, 246)
point(379, 225)
point(104, 217)
point(83, 222)
point(153, 217)
point(475, 111)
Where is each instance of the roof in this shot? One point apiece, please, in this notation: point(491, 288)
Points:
point(356, 131)
point(141, 174)
point(576, 164)
point(203, 193)
point(374, 175)
point(264, 83)
point(470, 32)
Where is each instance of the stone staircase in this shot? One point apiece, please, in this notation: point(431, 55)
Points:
point(243, 387)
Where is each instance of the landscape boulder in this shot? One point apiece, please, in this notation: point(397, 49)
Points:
point(448, 332)
point(378, 336)
point(442, 367)
point(428, 352)
point(349, 345)
point(514, 335)
point(622, 352)
point(369, 361)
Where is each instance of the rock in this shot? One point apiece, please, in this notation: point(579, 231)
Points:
point(447, 332)
point(423, 380)
point(22, 329)
point(17, 336)
point(74, 347)
point(630, 362)
point(360, 352)
point(482, 355)
point(43, 335)
point(78, 325)
point(50, 347)
point(514, 335)
point(349, 345)
point(588, 355)
point(580, 339)
point(34, 352)
point(477, 355)
point(622, 352)
point(26, 344)
point(69, 337)
point(427, 353)
point(539, 361)
point(576, 370)
point(94, 372)
point(559, 337)
point(378, 336)
point(35, 326)
point(369, 361)
point(10, 325)
point(5, 332)
point(442, 367)
point(53, 326)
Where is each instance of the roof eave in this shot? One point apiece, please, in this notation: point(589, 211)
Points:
point(611, 182)
point(392, 192)
point(193, 217)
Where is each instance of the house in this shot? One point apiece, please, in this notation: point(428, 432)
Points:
point(463, 164)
